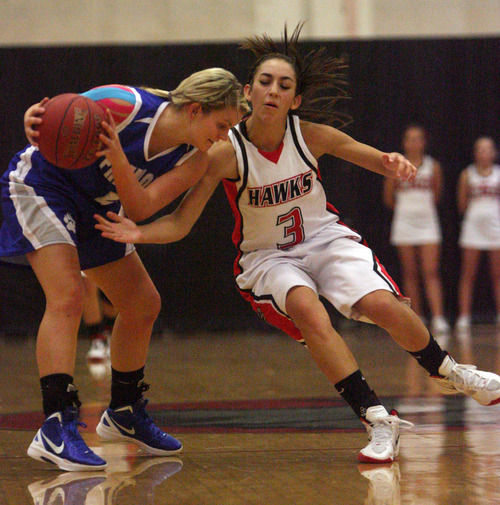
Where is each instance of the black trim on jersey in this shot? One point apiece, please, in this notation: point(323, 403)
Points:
point(243, 128)
point(299, 148)
point(244, 181)
point(237, 134)
point(244, 131)
point(236, 179)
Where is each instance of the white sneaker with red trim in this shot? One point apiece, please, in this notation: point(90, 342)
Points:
point(383, 432)
point(453, 378)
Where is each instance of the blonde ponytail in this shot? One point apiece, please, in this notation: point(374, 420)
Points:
point(213, 88)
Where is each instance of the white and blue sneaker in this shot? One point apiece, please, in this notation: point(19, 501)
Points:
point(140, 481)
point(58, 441)
point(67, 488)
point(132, 424)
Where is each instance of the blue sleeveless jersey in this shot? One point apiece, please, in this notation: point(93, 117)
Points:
point(43, 204)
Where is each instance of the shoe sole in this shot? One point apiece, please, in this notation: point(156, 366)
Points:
point(365, 459)
point(450, 390)
point(494, 402)
point(110, 435)
point(64, 464)
point(362, 458)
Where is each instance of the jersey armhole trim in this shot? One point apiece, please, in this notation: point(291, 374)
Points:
point(298, 145)
point(244, 177)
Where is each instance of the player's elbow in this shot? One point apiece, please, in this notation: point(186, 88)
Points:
point(182, 232)
point(138, 213)
point(137, 217)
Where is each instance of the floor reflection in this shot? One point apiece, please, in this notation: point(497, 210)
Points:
point(253, 437)
point(384, 487)
point(124, 482)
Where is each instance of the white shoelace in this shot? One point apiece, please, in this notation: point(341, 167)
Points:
point(382, 428)
point(466, 378)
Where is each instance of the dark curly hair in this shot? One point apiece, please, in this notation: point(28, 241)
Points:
point(321, 79)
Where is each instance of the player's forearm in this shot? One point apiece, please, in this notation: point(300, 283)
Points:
point(366, 157)
point(174, 226)
point(161, 231)
point(133, 197)
point(178, 224)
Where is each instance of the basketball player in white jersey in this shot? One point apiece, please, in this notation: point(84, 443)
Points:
point(292, 246)
point(415, 228)
point(479, 202)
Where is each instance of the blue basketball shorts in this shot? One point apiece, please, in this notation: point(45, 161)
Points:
point(42, 207)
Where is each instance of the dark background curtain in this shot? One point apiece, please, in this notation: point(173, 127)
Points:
point(450, 86)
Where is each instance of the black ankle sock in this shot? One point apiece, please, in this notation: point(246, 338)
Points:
point(430, 357)
point(125, 388)
point(355, 391)
point(55, 395)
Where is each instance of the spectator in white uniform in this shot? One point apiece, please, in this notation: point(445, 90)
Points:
point(479, 202)
point(415, 228)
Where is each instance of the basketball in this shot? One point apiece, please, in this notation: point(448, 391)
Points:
point(69, 133)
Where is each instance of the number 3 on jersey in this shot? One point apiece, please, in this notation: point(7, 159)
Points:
point(293, 227)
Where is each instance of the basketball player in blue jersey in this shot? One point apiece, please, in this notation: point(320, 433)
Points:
point(160, 149)
point(292, 246)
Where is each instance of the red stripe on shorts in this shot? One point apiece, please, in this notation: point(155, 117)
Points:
point(265, 309)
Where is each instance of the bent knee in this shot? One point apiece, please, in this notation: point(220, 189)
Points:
point(378, 305)
point(311, 318)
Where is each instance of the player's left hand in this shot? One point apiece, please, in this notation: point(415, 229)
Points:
point(32, 120)
point(118, 228)
point(111, 147)
point(398, 166)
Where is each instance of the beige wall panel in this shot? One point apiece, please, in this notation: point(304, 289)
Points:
point(46, 22)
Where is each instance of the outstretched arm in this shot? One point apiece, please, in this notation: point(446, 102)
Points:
point(178, 224)
point(169, 228)
point(323, 139)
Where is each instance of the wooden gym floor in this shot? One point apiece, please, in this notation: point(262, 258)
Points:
point(261, 425)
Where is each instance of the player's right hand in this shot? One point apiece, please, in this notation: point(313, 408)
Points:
point(32, 118)
point(118, 228)
point(399, 167)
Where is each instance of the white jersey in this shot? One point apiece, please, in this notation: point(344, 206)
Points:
point(481, 223)
point(415, 220)
point(277, 204)
point(288, 235)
